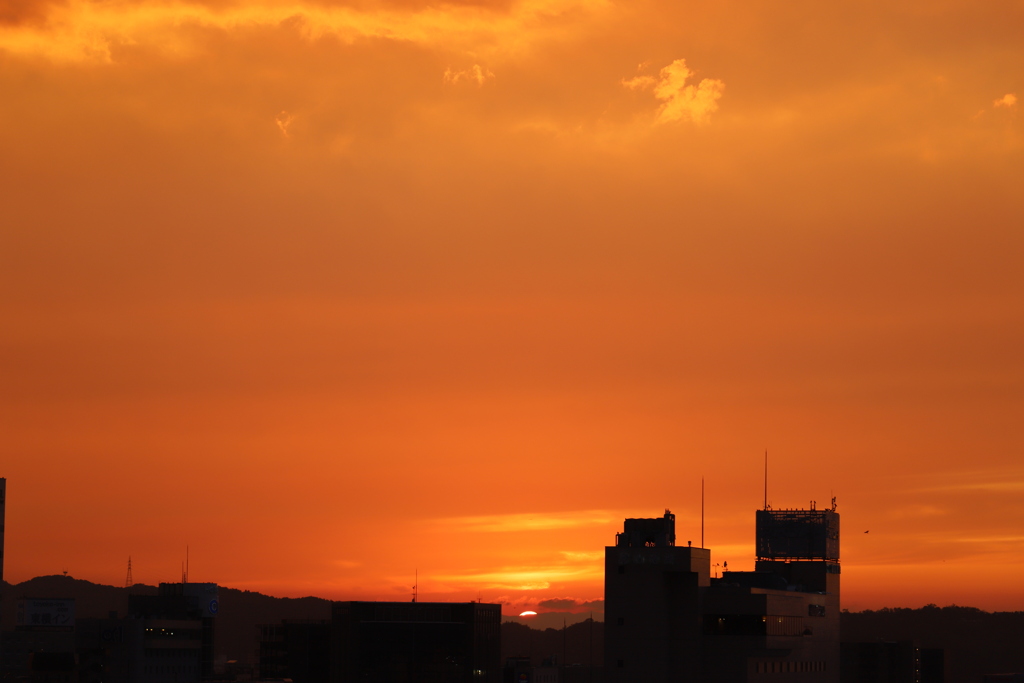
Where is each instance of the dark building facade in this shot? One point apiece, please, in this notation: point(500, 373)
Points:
point(653, 598)
point(296, 650)
point(42, 646)
point(901, 661)
point(667, 621)
point(177, 626)
point(108, 649)
point(416, 642)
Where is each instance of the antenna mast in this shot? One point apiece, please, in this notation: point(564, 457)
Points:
point(128, 583)
point(766, 479)
point(416, 587)
point(702, 512)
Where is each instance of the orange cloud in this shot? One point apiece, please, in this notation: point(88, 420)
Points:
point(475, 74)
point(528, 578)
point(85, 31)
point(283, 120)
point(1008, 100)
point(534, 522)
point(680, 101)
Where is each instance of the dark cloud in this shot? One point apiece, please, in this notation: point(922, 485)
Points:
point(571, 603)
point(558, 603)
point(14, 12)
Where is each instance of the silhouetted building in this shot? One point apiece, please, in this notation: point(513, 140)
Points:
point(653, 595)
point(177, 633)
point(933, 664)
point(296, 650)
point(518, 670)
point(416, 642)
point(53, 667)
point(107, 649)
point(667, 621)
point(891, 662)
point(42, 645)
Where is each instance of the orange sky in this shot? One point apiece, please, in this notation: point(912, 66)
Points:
point(331, 292)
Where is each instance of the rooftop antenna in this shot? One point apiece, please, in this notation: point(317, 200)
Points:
point(702, 512)
point(128, 583)
point(416, 587)
point(766, 479)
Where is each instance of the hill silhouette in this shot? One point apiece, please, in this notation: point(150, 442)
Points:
point(578, 644)
point(976, 642)
point(241, 612)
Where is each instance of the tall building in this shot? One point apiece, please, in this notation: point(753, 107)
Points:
point(653, 594)
point(667, 621)
point(177, 625)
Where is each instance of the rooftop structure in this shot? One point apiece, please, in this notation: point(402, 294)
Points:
point(668, 621)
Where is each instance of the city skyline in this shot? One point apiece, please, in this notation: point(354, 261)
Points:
point(335, 292)
point(537, 596)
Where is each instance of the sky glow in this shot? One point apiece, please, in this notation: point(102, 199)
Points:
point(332, 292)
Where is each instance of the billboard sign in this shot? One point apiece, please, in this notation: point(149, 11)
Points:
point(46, 615)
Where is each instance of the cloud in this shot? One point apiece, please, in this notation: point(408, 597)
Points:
point(283, 120)
point(520, 578)
point(558, 603)
point(527, 521)
point(347, 564)
point(85, 31)
point(583, 556)
point(992, 486)
point(991, 540)
point(1009, 100)
point(23, 11)
point(475, 74)
point(570, 604)
point(681, 102)
point(640, 82)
